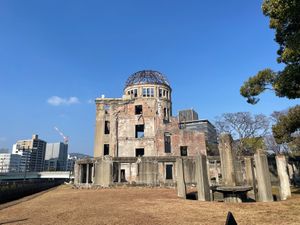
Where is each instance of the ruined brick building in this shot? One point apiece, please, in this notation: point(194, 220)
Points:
point(139, 128)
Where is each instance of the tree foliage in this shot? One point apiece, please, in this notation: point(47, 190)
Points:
point(246, 130)
point(285, 19)
point(287, 127)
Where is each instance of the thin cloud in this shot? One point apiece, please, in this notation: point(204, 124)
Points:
point(57, 101)
point(90, 101)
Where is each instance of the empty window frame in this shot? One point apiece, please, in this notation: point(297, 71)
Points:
point(135, 94)
point(183, 150)
point(160, 93)
point(139, 152)
point(107, 127)
point(151, 92)
point(169, 172)
point(138, 109)
point(106, 149)
point(167, 140)
point(139, 131)
point(106, 108)
point(166, 114)
point(148, 92)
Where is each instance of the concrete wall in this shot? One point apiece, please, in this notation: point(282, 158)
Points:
point(13, 190)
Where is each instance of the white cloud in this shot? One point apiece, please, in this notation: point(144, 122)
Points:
point(90, 101)
point(56, 101)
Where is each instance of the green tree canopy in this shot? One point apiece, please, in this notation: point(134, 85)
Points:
point(285, 19)
point(288, 126)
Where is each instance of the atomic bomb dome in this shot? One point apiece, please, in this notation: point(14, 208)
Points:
point(147, 77)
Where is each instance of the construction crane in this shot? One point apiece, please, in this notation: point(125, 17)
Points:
point(66, 139)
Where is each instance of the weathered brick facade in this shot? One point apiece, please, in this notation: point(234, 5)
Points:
point(156, 121)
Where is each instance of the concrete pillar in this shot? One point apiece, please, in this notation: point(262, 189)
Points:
point(263, 177)
point(76, 173)
point(119, 172)
point(87, 173)
point(248, 170)
point(238, 171)
point(181, 189)
point(201, 178)
point(216, 171)
point(250, 175)
point(130, 174)
point(285, 190)
point(99, 130)
point(93, 172)
point(227, 160)
point(164, 172)
point(103, 172)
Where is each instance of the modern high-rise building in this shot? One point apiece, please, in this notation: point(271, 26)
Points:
point(56, 156)
point(9, 162)
point(32, 152)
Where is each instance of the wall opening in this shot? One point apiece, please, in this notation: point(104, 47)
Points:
point(139, 131)
point(183, 150)
point(106, 109)
point(169, 172)
point(138, 109)
point(107, 127)
point(106, 149)
point(167, 141)
point(123, 178)
point(139, 152)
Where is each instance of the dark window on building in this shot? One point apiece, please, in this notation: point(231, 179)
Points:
point(144, 92)
point(135, 93)
point(167, 143)
point(106, 108)
point(139, 152)
point(138, 109)
point(169, 172)
point(151, 92)
point(106, 127)
point(139, 131)
point(183, 150)
point(106, 149)
point(160, 93)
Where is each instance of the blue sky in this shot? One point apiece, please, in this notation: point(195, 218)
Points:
point(78, 50)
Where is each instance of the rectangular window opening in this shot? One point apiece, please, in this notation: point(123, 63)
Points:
point(107, 127)
point(139, 152)
point(135, 93)
point(167, 143)
point(160, 93)
point(106, 149)
point(183, 150)
point(144, 92)
point(139, 131)
point(138, 109)
point(106, 108)
point(151, 92)
point(169, 172)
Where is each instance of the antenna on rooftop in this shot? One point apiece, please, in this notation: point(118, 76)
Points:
point(66, 138)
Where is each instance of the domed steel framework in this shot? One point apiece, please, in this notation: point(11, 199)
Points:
point(147, 77)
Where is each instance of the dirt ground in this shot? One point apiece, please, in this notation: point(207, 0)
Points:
point(65, 205)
